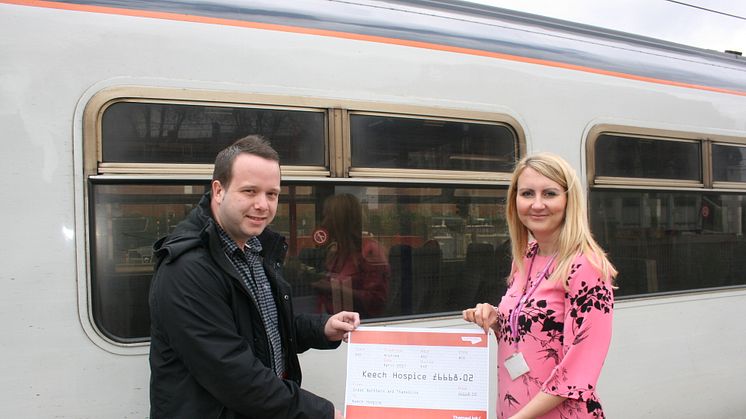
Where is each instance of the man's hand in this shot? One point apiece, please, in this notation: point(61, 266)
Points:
point(338, 414)
point(339, 325)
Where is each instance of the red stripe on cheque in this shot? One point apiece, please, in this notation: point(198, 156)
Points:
point(364, 412)
point(393, 337)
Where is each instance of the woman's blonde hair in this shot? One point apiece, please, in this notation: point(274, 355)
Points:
point(575, 235)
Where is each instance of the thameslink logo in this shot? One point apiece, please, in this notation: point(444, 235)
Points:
point(474, 340)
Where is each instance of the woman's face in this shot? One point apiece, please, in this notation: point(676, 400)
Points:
point(541, 204)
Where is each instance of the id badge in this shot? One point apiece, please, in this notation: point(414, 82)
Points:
point(516, 365)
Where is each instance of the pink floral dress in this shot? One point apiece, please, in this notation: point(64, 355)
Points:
point(563, 335)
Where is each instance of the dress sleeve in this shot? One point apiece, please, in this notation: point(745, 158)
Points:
point(589, 307)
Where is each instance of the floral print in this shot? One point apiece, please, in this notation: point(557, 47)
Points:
point(563, 334)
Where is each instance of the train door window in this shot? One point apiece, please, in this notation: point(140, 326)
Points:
point(669, 228)
point(383, 141)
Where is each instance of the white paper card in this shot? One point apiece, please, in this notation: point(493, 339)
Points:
point(398, 373)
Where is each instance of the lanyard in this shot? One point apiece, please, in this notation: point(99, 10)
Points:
point(526, 295)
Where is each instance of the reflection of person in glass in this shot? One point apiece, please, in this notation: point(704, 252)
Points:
point(352, 263)
point(553, 325)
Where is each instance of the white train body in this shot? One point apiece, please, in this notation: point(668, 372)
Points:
point(675, 354)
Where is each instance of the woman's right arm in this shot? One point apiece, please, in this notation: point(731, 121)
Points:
point(483, 315)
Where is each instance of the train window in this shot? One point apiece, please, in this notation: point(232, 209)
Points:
point(630, 157)
point(180, 133)
point(418, 250)
point(668, 236)
point(128, 219)
point(728, 163)
point(414, 143)
point(388, 247)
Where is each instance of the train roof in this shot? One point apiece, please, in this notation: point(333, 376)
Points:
point(460, 27)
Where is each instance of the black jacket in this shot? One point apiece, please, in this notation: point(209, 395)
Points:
point(209, 353)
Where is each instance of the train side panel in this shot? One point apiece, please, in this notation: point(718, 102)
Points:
point(672, 356)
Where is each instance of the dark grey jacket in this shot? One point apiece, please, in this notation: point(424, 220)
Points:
point(209, 354)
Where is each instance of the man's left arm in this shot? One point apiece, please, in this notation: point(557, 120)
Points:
point(340, 325)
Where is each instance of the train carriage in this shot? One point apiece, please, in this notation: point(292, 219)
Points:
point(113, 113)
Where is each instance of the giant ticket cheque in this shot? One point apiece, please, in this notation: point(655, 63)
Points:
point(398, 373)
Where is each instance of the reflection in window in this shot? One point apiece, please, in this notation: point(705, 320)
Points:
point(389, 251)
point(728, 163)
point(671, 241)
point(409, 143)
point(171, 133)
point(127, 220)
point(631, 157)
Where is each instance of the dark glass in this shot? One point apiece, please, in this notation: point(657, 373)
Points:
point(619, 156)
point(671, 241)
point(425, 249)
point(127, 220)
point(169, 133)
point(409, 143)
point(728, 163)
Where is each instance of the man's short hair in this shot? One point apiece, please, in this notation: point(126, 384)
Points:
point(252, 144)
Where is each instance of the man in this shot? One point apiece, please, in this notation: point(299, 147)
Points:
point(224, 339)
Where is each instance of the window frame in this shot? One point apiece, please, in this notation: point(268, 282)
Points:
point(337, 155)
point(708, 185)
point(719, 184)
point(636, 133)
point(441, 174)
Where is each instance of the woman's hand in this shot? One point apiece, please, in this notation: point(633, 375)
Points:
point(484, 315)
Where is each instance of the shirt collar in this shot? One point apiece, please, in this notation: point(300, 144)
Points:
point(253, 245)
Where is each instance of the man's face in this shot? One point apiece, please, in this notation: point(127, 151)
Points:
point(249, 203)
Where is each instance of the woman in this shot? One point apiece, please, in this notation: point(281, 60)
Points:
point(553, 325)
point(357, 262)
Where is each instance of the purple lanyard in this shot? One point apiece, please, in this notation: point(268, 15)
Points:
point(522, 301)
